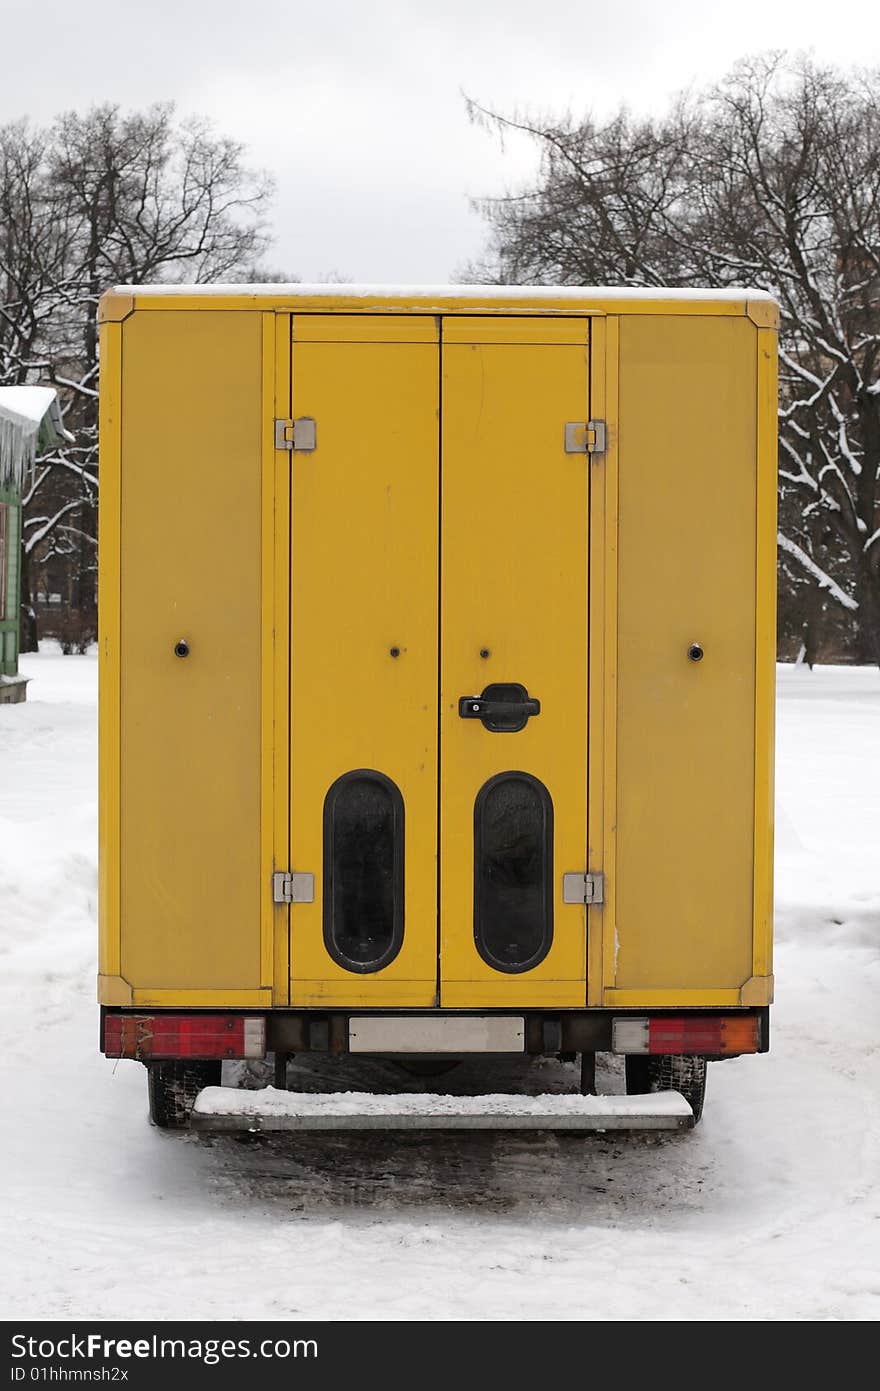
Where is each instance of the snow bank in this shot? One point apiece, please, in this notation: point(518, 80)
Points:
point(828, 807)
point(769, 1210)
point(59, 680)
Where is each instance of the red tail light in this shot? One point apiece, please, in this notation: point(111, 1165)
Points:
point(694, 1034)
point(717, 1034)
point(147, 1036)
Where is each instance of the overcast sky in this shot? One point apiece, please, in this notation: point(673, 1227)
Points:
point(356, 108)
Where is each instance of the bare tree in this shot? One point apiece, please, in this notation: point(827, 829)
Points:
point(96, 199)
point(771, 179)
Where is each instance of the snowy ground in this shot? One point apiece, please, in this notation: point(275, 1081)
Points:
point(769, 1210)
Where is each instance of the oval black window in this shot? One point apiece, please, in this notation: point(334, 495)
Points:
point(363, 870)
point(513, 872)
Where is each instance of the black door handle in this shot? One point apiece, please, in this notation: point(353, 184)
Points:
point(503, 708)
point(476, 708)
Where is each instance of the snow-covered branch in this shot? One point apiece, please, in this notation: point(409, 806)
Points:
point(47, 525)
point(823, 580)
point(768, 179)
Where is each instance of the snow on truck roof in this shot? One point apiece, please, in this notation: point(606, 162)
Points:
point(505, 293)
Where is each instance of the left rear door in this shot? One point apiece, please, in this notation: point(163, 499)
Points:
point(364, 644)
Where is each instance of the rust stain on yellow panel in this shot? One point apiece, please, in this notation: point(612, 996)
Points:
point(191, 545)
point(685, 736)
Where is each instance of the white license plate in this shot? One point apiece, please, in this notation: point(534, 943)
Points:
point(432, 1033)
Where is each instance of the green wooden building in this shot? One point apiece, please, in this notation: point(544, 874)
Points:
point(30, 421)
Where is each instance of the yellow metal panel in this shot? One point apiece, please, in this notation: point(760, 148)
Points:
point(510, 329)
point(514, 582)
point(765, 651)
point(757, 990)
point(515, 992)
point(596, 658)
point(448, 300)
point(369, 991)
point(113, 990)
point(108, 650)
point(670, 999)
point(353, 328)
point(281, 657)
point(609, 647)
point(268, 847)
point(113, 308)
point(604, 546)
point(364, 581)
point(686, 730)
point(764, 313)
point(207, 765)
point(203, 999)
point(191, 507)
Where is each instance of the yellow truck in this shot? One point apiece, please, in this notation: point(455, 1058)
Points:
point(437, 678)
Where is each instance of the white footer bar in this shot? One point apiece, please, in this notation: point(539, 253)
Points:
point(228, 1108)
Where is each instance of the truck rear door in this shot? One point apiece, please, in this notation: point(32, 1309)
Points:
point(364, 641)
point(513, 800)
point(439, 556)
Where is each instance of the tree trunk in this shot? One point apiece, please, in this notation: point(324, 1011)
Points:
point(812, 625)
point(868, 593)
point(27, 626)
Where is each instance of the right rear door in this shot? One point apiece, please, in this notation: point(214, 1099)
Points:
point(513, 634)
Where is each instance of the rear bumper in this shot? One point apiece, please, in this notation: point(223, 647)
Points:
point(227, 1108)
point(148, 1034)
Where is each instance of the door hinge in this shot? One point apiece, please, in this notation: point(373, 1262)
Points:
point(583, 888)
point(293, 888)
point(585, 437)
point(300, 434)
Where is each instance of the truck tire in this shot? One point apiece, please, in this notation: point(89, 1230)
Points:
point(173, 1088)
point(663, 1072)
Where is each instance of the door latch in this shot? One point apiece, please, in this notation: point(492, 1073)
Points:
point(504, 707)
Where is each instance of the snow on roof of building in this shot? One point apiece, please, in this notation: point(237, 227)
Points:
point(30, 416)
